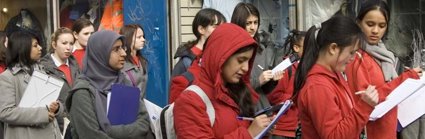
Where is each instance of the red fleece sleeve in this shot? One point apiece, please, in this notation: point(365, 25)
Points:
point(178, 85)
point(323, 106)
point(281, 92)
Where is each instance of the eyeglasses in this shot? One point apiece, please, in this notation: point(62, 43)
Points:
point(117, 49)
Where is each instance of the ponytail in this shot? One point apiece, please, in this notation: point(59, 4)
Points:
point(338, 29)
point(308, 59)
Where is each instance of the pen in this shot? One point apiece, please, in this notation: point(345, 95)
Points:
point(259, 66)
point(245, 118)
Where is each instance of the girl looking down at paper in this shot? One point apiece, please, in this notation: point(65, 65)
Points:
point(326, 106)
point(375, 65)
point(225, 80)
point(23, 53)
point(87, 101)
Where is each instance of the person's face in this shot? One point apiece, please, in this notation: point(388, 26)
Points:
point(236, 67)
point(35, 50)
point(117, 56)
point(206, 31)
point(298, 47)
point(345, 57)
point(139, 39)
point(374, 26)
point(252, 25)
point(63, 46)
point(84, 35)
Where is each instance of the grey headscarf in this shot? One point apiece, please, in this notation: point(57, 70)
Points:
point(97, 71)
point(384, 58)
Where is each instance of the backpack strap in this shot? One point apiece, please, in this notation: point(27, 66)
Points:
point(206, 100)
point(189, 77)
point(131, 78)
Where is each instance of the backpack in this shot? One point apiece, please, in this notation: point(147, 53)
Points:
point(165, 123)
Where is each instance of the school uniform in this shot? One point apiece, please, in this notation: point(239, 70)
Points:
point(365, 71)
point(288, 123)
point(190, 116)
point(24, 123)
point(180, 82)
point(327, 109)
point(136, 75)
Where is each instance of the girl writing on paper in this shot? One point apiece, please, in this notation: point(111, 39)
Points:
point(87, 101)
point(287, 125)
point(60, 63)
point(225, 80)
point(23, 54)
point(375, 65)
point(327, 109)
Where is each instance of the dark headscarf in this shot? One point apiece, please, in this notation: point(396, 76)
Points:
point(97, 71)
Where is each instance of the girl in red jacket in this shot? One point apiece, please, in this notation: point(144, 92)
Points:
point(326, 106)
point(375, 65)
point(224, 77)
point(287, 124)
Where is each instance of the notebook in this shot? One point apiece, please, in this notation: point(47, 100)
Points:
point(123, 104)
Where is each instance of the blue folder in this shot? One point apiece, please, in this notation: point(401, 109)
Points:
point(124, 104)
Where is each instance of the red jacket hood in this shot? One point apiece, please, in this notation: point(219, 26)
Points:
point(222, 43)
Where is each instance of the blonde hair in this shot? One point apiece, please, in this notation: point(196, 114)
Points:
point(56, 34)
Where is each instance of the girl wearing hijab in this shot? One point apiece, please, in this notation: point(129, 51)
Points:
point(23, 53)
point(225, 80)
point(105, 55)
point(375, 65)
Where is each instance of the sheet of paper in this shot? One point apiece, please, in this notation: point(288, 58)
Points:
point(42, 90)
point(412, 108)
point(402, 92)
point(282, 66)
point(283, 109)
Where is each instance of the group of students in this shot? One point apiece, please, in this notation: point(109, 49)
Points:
point(343, 72)
point(88, 63)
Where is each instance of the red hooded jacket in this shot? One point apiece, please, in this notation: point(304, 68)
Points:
point(180, 82)
point(190, 117)
point(288, 123)
point(327, 108)
point(364, 71)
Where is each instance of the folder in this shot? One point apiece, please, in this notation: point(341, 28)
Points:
point(42, 90)
point(285, 64)
point(397, 96)
point(285, 107)
point(123, 104)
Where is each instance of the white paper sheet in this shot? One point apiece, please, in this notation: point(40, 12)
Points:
point(402, 92)
point(282, 66)
point(42, 90)
point(283, 109)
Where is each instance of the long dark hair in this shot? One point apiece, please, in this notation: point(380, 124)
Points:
point(241, 13)
point(239, 91)
point(129, 33)
point(19, 50)
point(81, 23)
point(3, 49)
point(338, 29)
point(370, 5)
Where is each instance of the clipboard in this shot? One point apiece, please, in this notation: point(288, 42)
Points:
point(284, 108)
point(42, 90)
point(123, 104)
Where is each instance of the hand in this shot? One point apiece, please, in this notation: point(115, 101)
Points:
point(265, 77)
point(260, 122)
point(418, 70)
point(51, 116)
point(278, 75)
point(370, 95)
point(53, 107)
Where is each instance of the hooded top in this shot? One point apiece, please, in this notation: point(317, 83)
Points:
point(98, 72)
point(97, 69)
point(190, 118)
